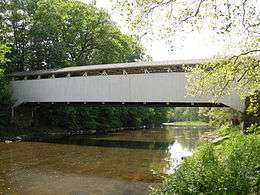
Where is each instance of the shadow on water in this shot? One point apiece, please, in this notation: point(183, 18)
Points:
point(92, 141)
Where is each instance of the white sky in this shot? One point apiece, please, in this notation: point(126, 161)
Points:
point(192, 46)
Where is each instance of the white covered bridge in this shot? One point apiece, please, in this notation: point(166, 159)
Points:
point(138, 83)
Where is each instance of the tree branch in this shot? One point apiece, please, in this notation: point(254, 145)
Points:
point(243, 54)
point(243, 75)
point(159, 4)
point(244, 12)
point(196, 12)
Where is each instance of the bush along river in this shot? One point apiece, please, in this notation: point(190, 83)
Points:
point(126, 162)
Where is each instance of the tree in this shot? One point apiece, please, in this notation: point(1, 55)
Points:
point(45, 34)
point(231, 75)
point(3, 51)
point(240, 18)
point(56, 33)
point(232, 72)
point(188, 114)
point(5, 101)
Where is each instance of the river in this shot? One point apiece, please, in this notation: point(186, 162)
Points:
point(119, 163)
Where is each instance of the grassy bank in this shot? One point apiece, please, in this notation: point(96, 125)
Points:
point(229, 167)
point(190, 123)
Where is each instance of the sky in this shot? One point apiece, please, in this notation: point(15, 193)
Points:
point(194, 45)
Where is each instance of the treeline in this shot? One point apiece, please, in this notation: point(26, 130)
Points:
point(103, 118)
point(5, 101)
point(188, 114)
point(46, 34)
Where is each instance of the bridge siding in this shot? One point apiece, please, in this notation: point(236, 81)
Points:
point(155, 87)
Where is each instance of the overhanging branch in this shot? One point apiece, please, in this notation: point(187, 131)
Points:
point(243, 54)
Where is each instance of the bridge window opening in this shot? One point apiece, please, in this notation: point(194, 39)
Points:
point(76, 74)
point(46, 76)
point(92, 73)
point(61, 75)
point(169, 70)
point(115, 72)
point(33, 77)
point(104, 73)
point(146, 71)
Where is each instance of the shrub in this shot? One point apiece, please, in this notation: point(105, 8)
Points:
point(228, 130)
point(231, 167)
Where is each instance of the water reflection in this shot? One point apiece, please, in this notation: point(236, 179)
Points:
point(130, 144)
point(119, 163)
point(177, 153)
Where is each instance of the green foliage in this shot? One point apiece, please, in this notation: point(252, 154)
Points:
point(234, 75)
point(254, 128)
point(241, 75)
point(56, 33)
point(231, 167)
point(191, 123)
point(5, 101)
point(228, 130)
point(3, 51)
point(254, 104)
point(103, 118)
point(223, 116)
point(253, 113)
point(188, 114)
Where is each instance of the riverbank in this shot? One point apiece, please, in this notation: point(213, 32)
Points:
point(13, 135)
point(229, 166)
point(188, 124)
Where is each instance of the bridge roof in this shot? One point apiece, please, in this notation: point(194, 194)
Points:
point(108, 67)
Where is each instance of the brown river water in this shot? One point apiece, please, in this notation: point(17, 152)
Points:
point(119, 163)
